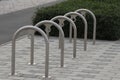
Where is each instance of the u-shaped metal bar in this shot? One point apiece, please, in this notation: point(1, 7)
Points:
point(14, 47)
point(75, 31)
point(86, 27)
point(62, 37)
point(94, 24)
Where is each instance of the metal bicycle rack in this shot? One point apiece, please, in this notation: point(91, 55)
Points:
point(48, 25)
point(61, 20)
point(73, 16)
point(83, 12)
point(14, 47)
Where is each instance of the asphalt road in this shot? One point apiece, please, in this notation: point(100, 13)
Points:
point(10, 22)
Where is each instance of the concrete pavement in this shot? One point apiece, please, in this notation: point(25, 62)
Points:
point(99, 62)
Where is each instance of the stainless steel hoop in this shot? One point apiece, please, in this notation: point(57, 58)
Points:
point(73, 16)
point(48, 22)
point(94, 24)
point(61, 20)
point(14, 47)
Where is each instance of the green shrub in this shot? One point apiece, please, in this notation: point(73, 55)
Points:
point(107, 13)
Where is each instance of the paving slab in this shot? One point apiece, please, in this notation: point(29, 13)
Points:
point(97, 63)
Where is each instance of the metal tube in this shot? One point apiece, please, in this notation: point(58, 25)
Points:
point(94, 24)
point(59, 40)
point(70, 33)
point(32, 50)
point(13, 48)
point(47, 61)
point(62, 52)
point(61, 23)
point(13, 57)
point(85, 23)
point(47, 34)
point(94, 30)
point(74, 45)
point(31, 37)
